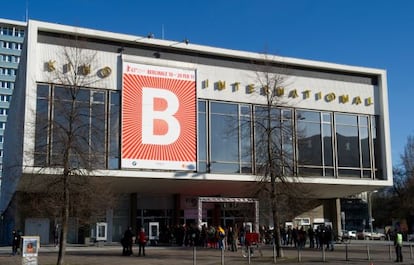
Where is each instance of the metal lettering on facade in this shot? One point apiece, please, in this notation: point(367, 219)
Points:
point(295, 93)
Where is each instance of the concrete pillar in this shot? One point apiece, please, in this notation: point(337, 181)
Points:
point(177, 206)
point(332, 212)
point(133, 202)
point(217, 214)
point(110, 223)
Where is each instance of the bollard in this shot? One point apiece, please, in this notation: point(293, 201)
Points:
point(274, 253)
point(368, 254)
point(411, 251)
point(248, 253)
point(323, 254)
point(299, 255)
point(194, 256)
point(346, 252)
point(390, 252)
point(222, 256)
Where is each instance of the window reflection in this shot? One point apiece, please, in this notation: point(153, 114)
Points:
point(274, 128)
point(224, 137)
point(77, 125)
point(309, 143)
point(202, 137)
point(230, 138)
point(347, 140)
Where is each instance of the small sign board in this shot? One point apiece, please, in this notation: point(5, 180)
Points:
point(30, 246)
point(30, 249)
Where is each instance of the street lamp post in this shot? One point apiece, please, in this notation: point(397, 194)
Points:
point(369, 201)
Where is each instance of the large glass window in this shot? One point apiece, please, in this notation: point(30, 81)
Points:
point(273, 129)
point(42, 126)
point(327, 139)
point(77, 122)
point(230, 138)
point(309, 138)
point(354, 145)
point(114, 130)
point(364, 142)
point(202, 137)
point(347, 140)
point(246, 139)
point(224, 138)
point(315, 147)
point(377, 150)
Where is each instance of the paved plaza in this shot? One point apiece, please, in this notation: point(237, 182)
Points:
point(359, 252)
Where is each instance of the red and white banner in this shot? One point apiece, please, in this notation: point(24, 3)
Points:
point(158, 117)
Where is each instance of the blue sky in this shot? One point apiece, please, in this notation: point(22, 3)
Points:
point(370, 33)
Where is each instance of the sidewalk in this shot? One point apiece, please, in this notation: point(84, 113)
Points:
point(111, 255)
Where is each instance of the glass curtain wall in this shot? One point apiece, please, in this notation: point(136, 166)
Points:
point(304, 142)
point(83, 115)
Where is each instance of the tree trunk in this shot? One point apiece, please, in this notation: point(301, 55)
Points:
point(279, 250)
point(65, 221)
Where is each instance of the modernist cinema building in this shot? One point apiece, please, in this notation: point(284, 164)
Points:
point(178, 140)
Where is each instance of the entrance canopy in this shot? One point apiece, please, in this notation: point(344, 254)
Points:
point(225, 200)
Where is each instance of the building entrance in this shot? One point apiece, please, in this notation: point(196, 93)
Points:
point(232, 220)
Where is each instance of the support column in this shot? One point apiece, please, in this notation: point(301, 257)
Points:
point(176, 213)
point(133, 210)
point(256, 215)
point(217, 214)
point(199, 212)
point(110, 223)
point(332, 212)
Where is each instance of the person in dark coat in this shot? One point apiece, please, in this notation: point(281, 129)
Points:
point(127, 242)
point(15, 242)
point(231, 240)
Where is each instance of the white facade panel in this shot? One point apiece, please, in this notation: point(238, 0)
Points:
point(48, 53)
point(299, 92)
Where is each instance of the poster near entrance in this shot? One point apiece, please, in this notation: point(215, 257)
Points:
point(158, 117)
point(153, 232)
point(30, 249)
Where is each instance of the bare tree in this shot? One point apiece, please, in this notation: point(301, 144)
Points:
point(404, 179)
point(70, 141)
point(274, 149)
point(396, 202)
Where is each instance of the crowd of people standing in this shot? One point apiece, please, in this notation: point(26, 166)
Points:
point(191, 235)
point(322, 236)
point(233, 236)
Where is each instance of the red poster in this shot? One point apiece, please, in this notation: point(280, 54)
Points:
point(158, 117)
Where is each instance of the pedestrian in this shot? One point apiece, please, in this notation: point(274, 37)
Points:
point(398, 241)
point(311, 235)
point(127, 242)
point(329, 238)
point(15, 242)
point(142, 241)
point(221, 235)
point(56, 234)
point(231, 240)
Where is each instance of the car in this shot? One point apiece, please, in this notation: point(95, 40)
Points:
point(346, 235)
point(377, 236)
point(352, 234)
point(374, 236)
